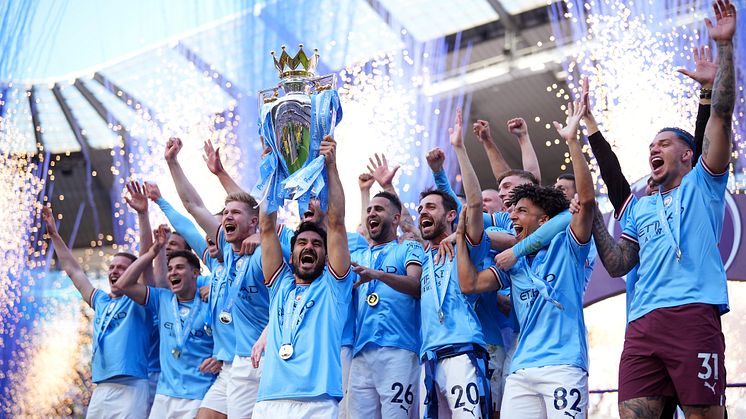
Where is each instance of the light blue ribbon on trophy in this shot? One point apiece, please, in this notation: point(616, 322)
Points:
point(276, 183)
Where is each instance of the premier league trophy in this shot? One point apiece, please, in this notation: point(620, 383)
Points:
point(292, 126)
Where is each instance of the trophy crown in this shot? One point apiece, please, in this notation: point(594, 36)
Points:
point(299, 66)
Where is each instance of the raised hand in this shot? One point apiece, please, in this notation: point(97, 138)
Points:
point(173, 146)
point(365, 181)
point(204, 293)
point(328, 149)
point(380, 171)
point(212, 158)
point(160, 237)
point(435, 159)
point(704, 67)
point(454, 133)
point(152, 191)
point(48, 217)
point(136, 199)
point(481, 129)
point(518, 127)
point(725, 18)
point(575, 111)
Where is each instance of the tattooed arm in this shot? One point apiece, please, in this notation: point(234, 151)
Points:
point(717, 146)
point(618, 257)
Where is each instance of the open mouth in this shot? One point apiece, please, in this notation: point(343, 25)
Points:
point(656, 162)
point(426, 222)
point(307, 259)
point(373, 224)
point(307, 215)
point(113, 278)
point(175, 281)
point(229, 227)
point(518, 230)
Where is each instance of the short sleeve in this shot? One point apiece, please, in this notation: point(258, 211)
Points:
point(96, 297)
point(477, 252)
point(629, 229)
point(275, 282)
point(577, 249)
point(413, 253)
point(714, 183)
point(153, 298)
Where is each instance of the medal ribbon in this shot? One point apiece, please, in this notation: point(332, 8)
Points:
point(291, 323)
point(439, 298)
point(676, 219)
point(212, 299)
point(232, 291)
point(115, 306)
point(375, 264)
point(182, 337)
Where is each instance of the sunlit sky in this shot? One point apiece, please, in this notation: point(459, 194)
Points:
point(69, 37)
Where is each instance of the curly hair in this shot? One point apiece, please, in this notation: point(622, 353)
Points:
point(550, 199)
point(308, 226)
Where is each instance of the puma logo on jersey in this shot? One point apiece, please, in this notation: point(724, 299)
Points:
point(711, 387)
point(470, 410)
point(572, 416)
point(406, 409)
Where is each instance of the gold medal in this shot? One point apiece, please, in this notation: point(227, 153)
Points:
point(225, 317)
point(176, 353)
point(286, 351)
point(373, 299)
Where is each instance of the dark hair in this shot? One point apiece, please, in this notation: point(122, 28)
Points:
point(448, 202)
point(682, 135)
point(566, 176)
point(129, 256)
point(520, 173)
point(548, 198)
point(186, 245)
point(393, 199)
point(188, 255)
point(308, 226)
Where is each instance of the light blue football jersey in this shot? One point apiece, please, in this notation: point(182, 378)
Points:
point(394, 321)
point(251, 307)
point(180, 377)
point(440, 292)
point(547, 294)
point(121, 337)
point(311, 318)
point(694, 214)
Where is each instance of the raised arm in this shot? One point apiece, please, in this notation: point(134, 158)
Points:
point(582, 221)
point(519, 128)
point(618, 257)
point(188, 195)
point(435, 159)
point(65, 257)
point(497, 162)
point(137, 200)
point(717, 146)
point(271, 249)
point(472, 190)
point(338, 251)
point(704, 73)
point(384, 175)
point(471, 281)
point(183, 225)
point(127, 283)
point(364, 181)
point(215, 165)
point(617, 187)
